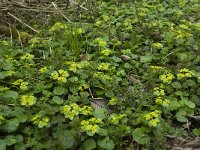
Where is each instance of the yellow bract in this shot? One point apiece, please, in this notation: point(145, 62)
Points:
point(27, 100)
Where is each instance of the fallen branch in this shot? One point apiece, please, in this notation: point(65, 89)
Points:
point(23, 22)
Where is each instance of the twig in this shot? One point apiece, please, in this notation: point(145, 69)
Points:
point(11, 37)
point(23, 22)
point(93, 96)
point(20, 40)
point(57, 8)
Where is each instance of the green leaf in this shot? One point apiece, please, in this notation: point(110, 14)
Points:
point(3, 75)
point(181, 116)
point(106, 143)
point(20, 146)
point(100, 113)
point(189, 103)
point(109, 93)
point(57, 100)
point(89, 144)
point(11, 125)
point(12, 94)
point(146, 58)
point(2, 145)
point(140, 136)
point(59, 90)
point(176, 85)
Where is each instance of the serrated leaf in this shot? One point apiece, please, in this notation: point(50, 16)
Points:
point(89, 144)
point(59, 90)
point(181, 116)
point(106, 143)
point(100, 113)
point(109, 93)
point(176, 85)
point(189, 103)
point(140, 136)
point(11, 125)
point(57, 100)
point(12, 94)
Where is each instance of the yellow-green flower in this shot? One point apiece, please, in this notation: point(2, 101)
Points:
point(106, 52)
point(154, 122)
point(100, 42)
point(18, 82)
point(24, 85)
point(63, 73)
point(105, 18)
point(27, 100)
point(158, 91)
point(103, 66)
point(184, 73)
point(58, 25)
point(80, 30)
point(54, 75)
point(43, 70)
point(27, 57)
point(167, 78)
point(156, 67)
point(10, 72)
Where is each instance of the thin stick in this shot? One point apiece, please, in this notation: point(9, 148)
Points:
point(20, 40)
point(57, 8)
point(11, 36)
point(23, 22)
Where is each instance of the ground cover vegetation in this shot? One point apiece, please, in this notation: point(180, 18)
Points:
point(140, 58)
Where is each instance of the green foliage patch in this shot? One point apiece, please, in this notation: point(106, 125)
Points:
point(128, 76)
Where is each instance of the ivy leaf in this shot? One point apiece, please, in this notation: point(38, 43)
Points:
point(12, 94)
point(57, 100)
point(140, 136)
point(181, 116)
point(106, 143)
point(176, 85)
point(59, 90)
point(89, 144)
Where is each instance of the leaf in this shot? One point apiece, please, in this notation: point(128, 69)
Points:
point(20, 146)
point(176, 85)
point(106, 143)
point(89, 144)
point(59, 90)
point(109, 93)
point(12, 94)
point(2, 145)
point(181, 116)
point(100, 113)
point(146, 58)
point(140, 136)
point(57, 100)
point(189, 103)
point(11, 125)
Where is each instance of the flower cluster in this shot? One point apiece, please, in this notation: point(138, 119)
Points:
point(162, 102)
point(106, 52)
point(41, 121)
point(184, 73)
point(100, 42)
point(158, 91)
point(58, 25)
point(60, 75)
point(83, 86)
point(153, 118)
point(91, 126)
point(27, 57)
point(157, 45)
point(73, 110)
point(103, 66)
point(105, 18)
point(27, 100)
point(43, 70)
point(102, 76)
point(80, 31)
point(22, 84)
point(167, 78)
point(113, 101)
point(116, 118)
point(10, 72)
point(156, 67)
